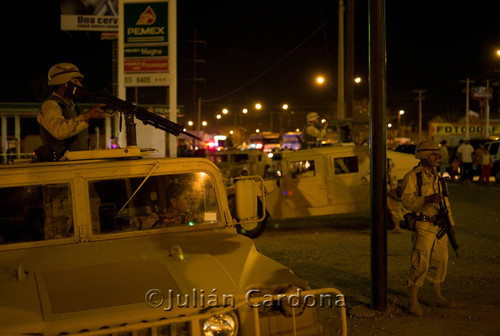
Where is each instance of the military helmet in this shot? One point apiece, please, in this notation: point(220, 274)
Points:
point(426, 148)
point(62, 73)
point(312, 116)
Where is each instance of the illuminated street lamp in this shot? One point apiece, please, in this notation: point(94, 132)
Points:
point(285, 106)
point(258, 106)
point(190, 123)
point(218, 116)
point(320, 80)
point(225, 111)
point(204, 123)
point(245, 111)
point(401, 112)
point(357, 80)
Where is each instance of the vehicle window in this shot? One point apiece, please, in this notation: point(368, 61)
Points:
point(161, 202)
point(239, 158)
point(494, 148)
point(346, 165)
point(219, 158)
point(302, 168)
point(36, 212)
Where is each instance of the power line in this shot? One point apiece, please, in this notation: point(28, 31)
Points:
point(301, 43)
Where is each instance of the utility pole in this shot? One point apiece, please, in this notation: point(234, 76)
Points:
point(378, 155)
point(467, 88)
point(487, 110)
point(196, 111)
point(420, 98)
point(340, 64)
point(349, 54)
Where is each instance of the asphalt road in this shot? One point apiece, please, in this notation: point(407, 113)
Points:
point(335, 252)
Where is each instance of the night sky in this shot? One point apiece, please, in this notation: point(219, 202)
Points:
point(271, 51)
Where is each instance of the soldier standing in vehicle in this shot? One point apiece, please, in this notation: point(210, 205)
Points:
point(313, 130)
point(422, 195)
point(63, 126)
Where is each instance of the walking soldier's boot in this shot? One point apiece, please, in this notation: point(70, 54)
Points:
point(413, 306)
point(439, 300)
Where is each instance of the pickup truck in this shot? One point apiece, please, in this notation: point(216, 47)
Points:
point(87, 248)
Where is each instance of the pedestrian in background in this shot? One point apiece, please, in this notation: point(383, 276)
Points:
point(422, 195)
point(396, 210)
point(465, 152)
point(443, 150)
point(486, 163)
point(478, 158)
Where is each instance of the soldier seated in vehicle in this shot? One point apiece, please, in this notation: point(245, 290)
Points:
point(58, 222)
point(181, 209)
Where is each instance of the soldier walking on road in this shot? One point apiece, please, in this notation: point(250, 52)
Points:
point(422, 195)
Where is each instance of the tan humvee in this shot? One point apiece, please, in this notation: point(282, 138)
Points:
point(104, 246)
point(322, 181)
point(235, 162)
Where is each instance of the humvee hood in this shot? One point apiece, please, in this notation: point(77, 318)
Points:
point(166, 272)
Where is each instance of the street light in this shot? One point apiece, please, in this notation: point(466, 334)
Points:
point(258, 106)
point(401, 112)
point(320, 80)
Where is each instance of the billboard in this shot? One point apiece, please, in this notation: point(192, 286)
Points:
point(89, 15)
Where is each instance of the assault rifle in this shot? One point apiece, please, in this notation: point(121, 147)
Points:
point(444, 223)
point(116, 104)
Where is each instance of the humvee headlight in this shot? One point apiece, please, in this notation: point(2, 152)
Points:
point(225, 324)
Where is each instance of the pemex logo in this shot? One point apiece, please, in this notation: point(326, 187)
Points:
point(148, 17)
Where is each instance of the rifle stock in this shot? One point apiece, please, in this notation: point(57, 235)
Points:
point(445, 224)
point(116, 104)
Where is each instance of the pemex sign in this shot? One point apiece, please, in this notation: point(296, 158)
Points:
point(145, 43)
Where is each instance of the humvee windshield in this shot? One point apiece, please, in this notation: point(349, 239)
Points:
point(45, 211)
point(130, 204)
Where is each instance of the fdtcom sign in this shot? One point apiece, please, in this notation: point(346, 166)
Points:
point(145, 22)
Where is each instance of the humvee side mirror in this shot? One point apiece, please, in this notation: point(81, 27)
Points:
point(246, 200)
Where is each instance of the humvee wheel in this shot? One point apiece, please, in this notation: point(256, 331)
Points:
point(251, 230)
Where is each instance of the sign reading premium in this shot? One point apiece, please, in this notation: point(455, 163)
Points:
point(437, 129)
point(145, 43)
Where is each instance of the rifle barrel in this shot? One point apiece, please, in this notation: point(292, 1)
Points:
point(120, 105)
